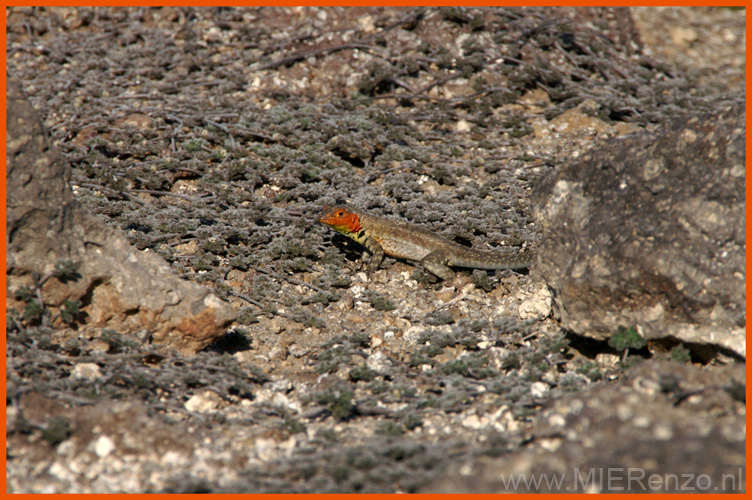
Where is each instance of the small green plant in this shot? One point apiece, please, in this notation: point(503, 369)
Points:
point(364, 462)
point(66, 270)
point(341, 280)
point(322, 298)
point(390, 429)
point(359, 340)
point(474, 365)
point(330, 359)
point(511, 361)
point(339, 473)
point(24, 294)
point(338, 400)
point(246, 316)
point(412, 421)
point(192, 146)
point(292, 426)
point(379, 302)
point(625, 339)
point(33, 311)
point(361, 372)
point(681, 353)
point(590, 370)
point(328, 435)
point(314, 322)
point(70, 311)
point(439, 318)
point(378, 387)
point(629, 362)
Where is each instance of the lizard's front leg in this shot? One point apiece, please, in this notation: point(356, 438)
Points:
point(435, 262)
point(377, 255)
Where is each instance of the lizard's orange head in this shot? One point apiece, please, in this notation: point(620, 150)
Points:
point(340, 218)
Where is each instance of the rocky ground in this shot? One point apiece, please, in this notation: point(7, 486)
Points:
point(212, 137)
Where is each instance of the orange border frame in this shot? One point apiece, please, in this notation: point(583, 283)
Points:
point(3, 85)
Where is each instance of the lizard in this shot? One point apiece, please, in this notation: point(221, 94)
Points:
point(384, 236)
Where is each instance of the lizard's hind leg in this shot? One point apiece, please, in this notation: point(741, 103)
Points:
point(435, 263)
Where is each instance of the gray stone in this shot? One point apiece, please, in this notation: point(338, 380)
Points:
point(118, 286)
point(647, 230)
point(680, 424)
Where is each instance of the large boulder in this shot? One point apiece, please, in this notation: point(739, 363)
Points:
point(648, 231)
point(118, 286)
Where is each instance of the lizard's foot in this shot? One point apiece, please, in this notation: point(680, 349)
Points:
point(442, 271)
point(375, 261)
point(424, 277)
point(371, 269)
